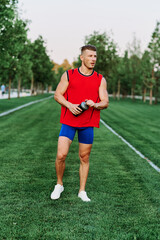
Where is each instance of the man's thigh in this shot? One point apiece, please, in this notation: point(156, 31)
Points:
point(63, 145)
point(84, 151)
point(66, 137)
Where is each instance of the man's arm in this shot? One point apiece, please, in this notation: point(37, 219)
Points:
point(58, 96)
point(103, 95)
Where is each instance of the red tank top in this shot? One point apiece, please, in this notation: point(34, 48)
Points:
point(80, 88)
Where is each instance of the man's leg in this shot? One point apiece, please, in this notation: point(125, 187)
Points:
point(84, 153)
point(62, 151)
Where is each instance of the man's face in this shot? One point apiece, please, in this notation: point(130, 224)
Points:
point(89, 58)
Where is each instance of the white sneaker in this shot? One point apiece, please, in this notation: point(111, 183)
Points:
point(58, 189)
point(83, 196)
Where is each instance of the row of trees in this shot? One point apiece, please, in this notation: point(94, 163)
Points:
point(22, 62)
point(25, 63)
point(135, 73)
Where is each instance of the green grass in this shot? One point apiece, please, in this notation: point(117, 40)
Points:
point(6, 104)
point(124, 189)
point(138, 124)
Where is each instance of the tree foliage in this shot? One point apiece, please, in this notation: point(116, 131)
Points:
point(154, 50)
point(132, 74)
point(27, 64)
point(20, 59)
point(106, 50)
point(41, 64)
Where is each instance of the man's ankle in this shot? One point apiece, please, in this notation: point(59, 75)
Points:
point(81, 189)
point(61, 183)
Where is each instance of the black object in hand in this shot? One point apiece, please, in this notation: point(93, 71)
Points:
point(82, 106)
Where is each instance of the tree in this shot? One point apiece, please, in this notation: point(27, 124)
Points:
point(120, 76)
point(42, 65)
point(7, 15)
point(146, 74)
point(48, 73)
point(134, 74)
point(107, 53)
point(24, 67)
point(154, 49)
point(13, 34)
point(134, 51)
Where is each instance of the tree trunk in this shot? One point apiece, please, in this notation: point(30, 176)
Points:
point(32, 86)
point(19, 87)
point(132, 93)
point(36, 89)
point(144, 95)
point(151, 88)
point(119, 89)
point(114, 95)
point(42, 88)
point(9, 88)
point(156, 91)
point(150, 101)
point(49, 89)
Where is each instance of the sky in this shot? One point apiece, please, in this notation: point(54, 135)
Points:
point(64, 24)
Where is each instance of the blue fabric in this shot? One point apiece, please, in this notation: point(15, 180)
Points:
point(85, 134)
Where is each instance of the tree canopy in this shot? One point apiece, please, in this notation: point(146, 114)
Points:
point(24, 63)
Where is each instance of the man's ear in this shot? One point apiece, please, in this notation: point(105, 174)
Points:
point(81, 57)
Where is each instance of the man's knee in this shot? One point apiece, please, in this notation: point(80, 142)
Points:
point(84, 157)
point(61, 156)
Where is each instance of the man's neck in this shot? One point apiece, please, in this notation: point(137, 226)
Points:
point(86, 71)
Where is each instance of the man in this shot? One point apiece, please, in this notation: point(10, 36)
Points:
point(3, 88)
point(79, 85)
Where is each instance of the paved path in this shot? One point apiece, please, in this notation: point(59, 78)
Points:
point(14, 95)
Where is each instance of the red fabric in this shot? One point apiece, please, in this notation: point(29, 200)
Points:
point(80, 88)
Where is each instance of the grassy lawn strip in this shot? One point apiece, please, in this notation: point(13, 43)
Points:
point(123, 188)
point(138, 124)
point(6, 104)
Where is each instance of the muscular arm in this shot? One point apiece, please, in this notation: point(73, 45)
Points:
point(61, 89)
point(58, 96)
point(103, 95)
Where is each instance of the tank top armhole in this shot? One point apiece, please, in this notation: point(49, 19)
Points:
point(67, 75)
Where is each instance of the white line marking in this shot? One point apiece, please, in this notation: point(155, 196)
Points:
point(22, 106)
point(133, 148)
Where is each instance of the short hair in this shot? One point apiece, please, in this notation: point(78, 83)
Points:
point(88, 47)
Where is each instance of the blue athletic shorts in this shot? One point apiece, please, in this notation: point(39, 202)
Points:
point(85, 134)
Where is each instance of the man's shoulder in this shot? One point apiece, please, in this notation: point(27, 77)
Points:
point(99, 75)
point(72, 71)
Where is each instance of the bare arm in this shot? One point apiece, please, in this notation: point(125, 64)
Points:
point(58, 96)
point(103, 95)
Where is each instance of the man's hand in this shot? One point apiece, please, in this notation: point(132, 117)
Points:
point(90, 103)
point(103, 95)
point(73, 108)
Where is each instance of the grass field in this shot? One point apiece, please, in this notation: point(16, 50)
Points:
point(124, 189)
point(138, 124)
